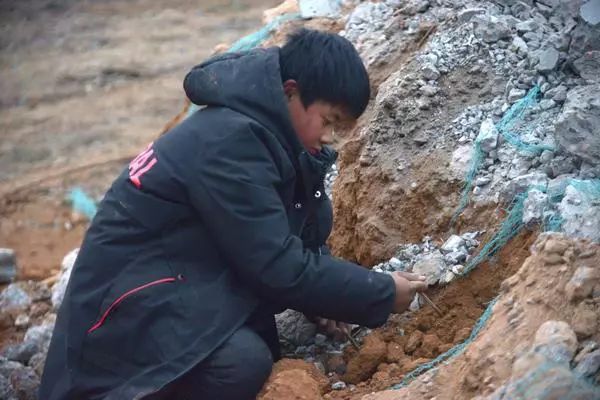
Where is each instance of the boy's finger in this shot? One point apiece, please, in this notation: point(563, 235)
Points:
point(418, 286)
point(411, 276)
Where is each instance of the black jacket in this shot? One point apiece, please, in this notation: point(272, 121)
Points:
point(203, 227)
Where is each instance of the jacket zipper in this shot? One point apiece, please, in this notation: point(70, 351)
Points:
point(115, 303)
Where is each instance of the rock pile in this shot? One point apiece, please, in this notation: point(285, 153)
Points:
point(28, 311)
point(440, 264)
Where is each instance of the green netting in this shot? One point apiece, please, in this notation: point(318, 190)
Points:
point(254, 40)
point(82, 203)
point(509, 129)
point(453, 352)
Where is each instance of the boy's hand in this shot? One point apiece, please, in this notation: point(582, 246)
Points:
point(338, 330)
point(407, 285)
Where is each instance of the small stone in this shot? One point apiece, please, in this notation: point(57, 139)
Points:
point(520, 45)
point(414, 341)
point(431, 266)
point(547, 104)
point(575, 126)
point(453, 243)
point(534, 205)
point(556, 338)
point(516, 94)
point(530, 25)
point(21, 352)
point(588, 66)
point(420, 140)
point(6, 390)
point(546, 156)
point(491, 29)
point(40, 335)
point(430, 72)
point(320, 339)
point(22, 320)
point(488, 135)
point(429, 90)
point(582, 283)
point(294, 328)
point(448, 277)
point(548, 59)
point(482, 180)
point(8, 265)
point(586, 347)
point(580, 217)
point(457, 256)
point(589, 364)
point(467, 14)
point(590, 12)
point(7, 367)
point(458, 269)
point(558, 94)
point(37, 362)
point(25, 383)
point(14, 297)
point(415, 304)
point(59, 288)
point(585, 321)
point(339, 385)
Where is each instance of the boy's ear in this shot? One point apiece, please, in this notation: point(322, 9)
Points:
point(290, 88)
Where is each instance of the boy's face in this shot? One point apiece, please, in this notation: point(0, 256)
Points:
point(316, 124)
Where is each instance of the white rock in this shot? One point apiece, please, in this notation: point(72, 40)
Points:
point(520, 45)
point(534, 206)
point(461, 159)
point(524, 182)
point(482, 181)
point(580, 214)
point(14, 297)
point(488, 135)
point(319, 8)
point(548, 59)
point(395, 263)
point(40, 335)
point(431, 266)
point(516, 94)
point(59, 288)
point(448, 277)
point(577, 125)
point(453, 243)
point(338, 385)
point(458, 269)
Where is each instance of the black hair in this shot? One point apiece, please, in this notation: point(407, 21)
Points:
point(326, 67)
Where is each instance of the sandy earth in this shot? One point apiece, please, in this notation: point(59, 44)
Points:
point(85, 82)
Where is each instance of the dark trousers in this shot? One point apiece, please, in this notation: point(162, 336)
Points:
point(236, 370)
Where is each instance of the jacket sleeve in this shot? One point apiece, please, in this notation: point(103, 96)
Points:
point(233, 188)
point(318, 226)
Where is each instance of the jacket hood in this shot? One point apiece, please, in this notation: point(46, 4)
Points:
point(249, 83)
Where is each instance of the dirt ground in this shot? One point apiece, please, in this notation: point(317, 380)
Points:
point(87, 82)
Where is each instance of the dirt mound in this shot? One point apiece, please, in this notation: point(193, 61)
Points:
point(397, 186)
point(294, 380)
point(556, 283)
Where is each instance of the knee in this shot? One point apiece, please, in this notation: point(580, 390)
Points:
point(254, 362)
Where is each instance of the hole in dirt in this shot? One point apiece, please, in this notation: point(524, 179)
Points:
point(409, 340)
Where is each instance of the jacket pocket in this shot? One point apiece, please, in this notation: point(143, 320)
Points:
point(113, 306)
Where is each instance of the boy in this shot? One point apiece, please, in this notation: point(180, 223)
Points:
point(215, 227)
